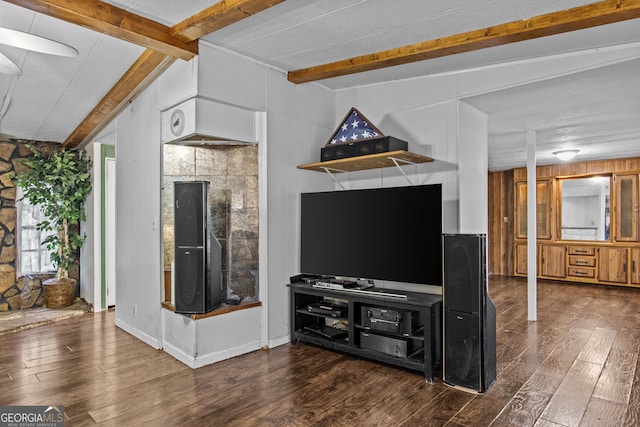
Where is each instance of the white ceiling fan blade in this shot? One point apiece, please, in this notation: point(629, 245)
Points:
point(28, 41)
point(8, 67)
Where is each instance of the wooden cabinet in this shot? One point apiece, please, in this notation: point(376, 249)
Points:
point(626, 207)
point(553, 260)
point(582, 262)
point(612, 265)
point(591, 237)
point(606, 264)
point(634, 271)
point(543, 209)
point(521, 258)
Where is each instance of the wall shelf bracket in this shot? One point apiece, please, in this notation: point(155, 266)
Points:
point(396, 161)
point(329, 172)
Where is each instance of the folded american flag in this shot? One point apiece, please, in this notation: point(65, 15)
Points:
point(354, 127)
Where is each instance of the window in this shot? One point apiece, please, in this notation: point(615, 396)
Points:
point(32, 256)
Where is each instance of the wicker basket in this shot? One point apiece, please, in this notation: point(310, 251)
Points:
point(59, 293)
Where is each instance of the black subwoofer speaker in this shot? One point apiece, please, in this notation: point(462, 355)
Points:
point(198, 266)
point(469, 314)
point(190, 277)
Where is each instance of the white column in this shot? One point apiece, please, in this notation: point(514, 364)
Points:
point(473, 162)
point(531, 228)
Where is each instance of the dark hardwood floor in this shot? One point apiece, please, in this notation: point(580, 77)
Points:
point(576, 366)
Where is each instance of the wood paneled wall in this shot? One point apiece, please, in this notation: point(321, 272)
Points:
point(501, 223)
point(582, 168)
point(501, 209)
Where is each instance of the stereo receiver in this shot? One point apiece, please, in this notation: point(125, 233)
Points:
point(390, 321)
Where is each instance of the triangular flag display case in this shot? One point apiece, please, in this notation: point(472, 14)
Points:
point(354, 127)
point(357, 144)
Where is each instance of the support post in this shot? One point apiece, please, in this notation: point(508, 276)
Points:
point(532, 238)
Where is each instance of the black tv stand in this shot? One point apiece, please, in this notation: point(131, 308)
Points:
point(387, 325)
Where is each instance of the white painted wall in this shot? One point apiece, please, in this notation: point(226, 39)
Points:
point(296, 121)
point(299, 119)
point(473, 164)
point(138, 237)
point(427, 114)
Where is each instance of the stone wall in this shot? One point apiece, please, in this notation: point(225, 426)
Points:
point(23, 292)
point(232, 172)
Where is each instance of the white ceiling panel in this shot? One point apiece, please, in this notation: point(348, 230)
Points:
point(314, 34)
point(597, 109)
point(54, 94)
point(166, 12)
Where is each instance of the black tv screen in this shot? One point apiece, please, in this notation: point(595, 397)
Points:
point(384, 233)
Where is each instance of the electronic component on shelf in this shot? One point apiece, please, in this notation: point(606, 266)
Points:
point(328, 309)
point(336, 283)
point(398, 347)
point(390, 321)
point(306, 278)
point(326, 331)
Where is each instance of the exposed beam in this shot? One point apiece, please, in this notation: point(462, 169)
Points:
point(162, 46)
point(218, 16)
point(107, 19)
point(144, 71)
point(578, 18)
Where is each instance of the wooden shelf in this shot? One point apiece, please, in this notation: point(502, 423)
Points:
point(369, 161)
point(223, 309)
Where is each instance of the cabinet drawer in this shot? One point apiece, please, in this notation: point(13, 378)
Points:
point(582, 272)
point(583, 261)
point(582, 250)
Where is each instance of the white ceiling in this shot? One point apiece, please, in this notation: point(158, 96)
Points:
point(595, 109)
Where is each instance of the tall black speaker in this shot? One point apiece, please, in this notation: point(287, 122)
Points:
point(469, 360)
point(198, 265)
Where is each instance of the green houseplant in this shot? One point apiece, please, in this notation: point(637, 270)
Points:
point(59, 184)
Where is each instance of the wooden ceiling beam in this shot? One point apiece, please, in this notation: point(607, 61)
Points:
point(578, 18)
point(140, 75)
point(162, 46)
point(113, 21)
point(220, 15)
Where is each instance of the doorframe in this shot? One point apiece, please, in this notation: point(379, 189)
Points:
point(106, 151)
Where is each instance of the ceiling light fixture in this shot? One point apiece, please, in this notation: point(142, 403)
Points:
point(565, 154)
point(31, 42)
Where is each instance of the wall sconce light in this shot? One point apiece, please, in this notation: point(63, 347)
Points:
point(565, 154)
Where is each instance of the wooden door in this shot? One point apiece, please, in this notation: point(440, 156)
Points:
point(522, 255)
point(612, 265)
point(626, 207)
point(553, 260)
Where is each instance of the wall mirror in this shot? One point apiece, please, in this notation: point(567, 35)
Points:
point(586, 208)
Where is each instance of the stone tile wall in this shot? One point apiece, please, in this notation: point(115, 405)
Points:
point(232, 172)
point(23, 292)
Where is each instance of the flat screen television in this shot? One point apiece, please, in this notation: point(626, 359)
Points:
point(389, 234)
